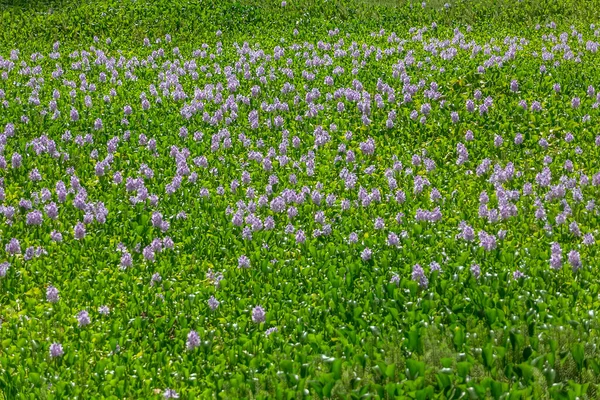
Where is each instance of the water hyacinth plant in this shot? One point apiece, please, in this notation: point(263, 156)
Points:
point(324, 199)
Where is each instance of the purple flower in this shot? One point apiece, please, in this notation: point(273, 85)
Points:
point(429, 164)
point(83, 318)
point(149, 253)
point(278, 204)
point(518, 275)
point(238, 218)
point(34, 218)
point(13, 247)
point(16, 160)
point(366, 254)
point(574, 260)
point(269, 223)
point(156, 278)
point(416, 160)
point(126, 260)
point(79, 231)
point(258, 315)
point(345, 204)
point(487, 241)
point(4, 269)
point(353, 237)
point(300, 236)
point(170, 394)
point(395, 280)
point(193, 340)
point(418, 275)
point(52, 295)
point(243, 262)
point(26, 204)
point(523, 104)
point(393, 239)
point(574, 229)
point(213, 303)
point(569, 137)
point(463, 154)
point(270, 331)
point(51, 210)
point(498, 141)
point(368, 147)
point(168, 243)
point(466, 232)
point(590, 91)
point(429, 216)
point(104, 310)
point(556, 256)
point(476, 270)
point(56, 350)
point(35, 175)
point(590, 205)
point(518, 139)
point(470, 105)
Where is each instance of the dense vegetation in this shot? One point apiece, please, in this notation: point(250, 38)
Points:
point(320, 199)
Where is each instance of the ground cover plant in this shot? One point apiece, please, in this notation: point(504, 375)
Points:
point(303, 200)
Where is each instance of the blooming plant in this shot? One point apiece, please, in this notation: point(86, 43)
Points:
point(315, 206)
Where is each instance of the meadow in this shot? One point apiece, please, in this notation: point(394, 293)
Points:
point(300, 199)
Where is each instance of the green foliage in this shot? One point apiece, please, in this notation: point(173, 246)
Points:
point(25, 23)
point(343, 329)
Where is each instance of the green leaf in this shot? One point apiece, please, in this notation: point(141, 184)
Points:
point(317, 387)
point(491, 314)
point(443, 380)
point(526, 371)
point(34, 378)
point(459, 337)
point(578, 353)
point(413, 339)
point(336, 369)
point(487, 352)
point(415, 369)
point(497, 389)
point(464, 368)
point(327, 389)
point(390, 370)
point(286, 366)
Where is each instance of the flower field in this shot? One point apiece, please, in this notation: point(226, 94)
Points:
point(299, 200)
